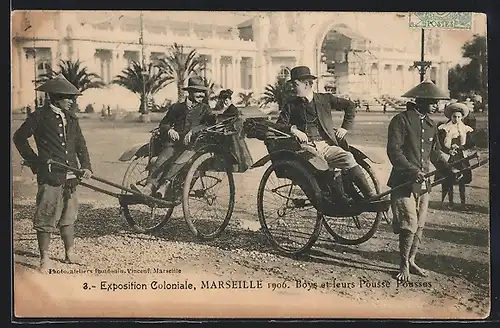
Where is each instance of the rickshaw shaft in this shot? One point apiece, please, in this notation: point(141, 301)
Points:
point(147, 197)
point(427, 175)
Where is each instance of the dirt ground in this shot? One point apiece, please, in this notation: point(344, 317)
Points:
point(455, 251)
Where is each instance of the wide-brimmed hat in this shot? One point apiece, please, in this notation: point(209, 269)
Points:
point(426, 90)
point(456, 107)
point(301, 73)
point(195, 84)
point(59, 85)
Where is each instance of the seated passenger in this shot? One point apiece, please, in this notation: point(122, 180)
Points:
point(181, 121)
point(308, 117)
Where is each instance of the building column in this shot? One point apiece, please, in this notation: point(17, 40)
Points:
point(116, 62)
point(55, 55)
point(147, 55)
point(443, 73)
point(254, 77)
point(232, 77)
point(237, 75)
point(216, 69)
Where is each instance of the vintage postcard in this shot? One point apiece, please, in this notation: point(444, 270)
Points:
point(176, 164)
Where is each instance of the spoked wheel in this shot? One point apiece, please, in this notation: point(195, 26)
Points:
point(208, 196)
point(358, 229)
point(143, 218)
point(285, 207)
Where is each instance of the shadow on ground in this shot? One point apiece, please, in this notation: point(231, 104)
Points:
point(95, 222)
point(475, 272)
point(468, 208)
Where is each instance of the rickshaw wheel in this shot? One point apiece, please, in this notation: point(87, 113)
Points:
point(196, 198)
point(353, 223)
point(155, 217)
point(312, 190)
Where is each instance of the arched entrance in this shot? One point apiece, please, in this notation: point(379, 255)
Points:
point(337, 55)
point(342, 61)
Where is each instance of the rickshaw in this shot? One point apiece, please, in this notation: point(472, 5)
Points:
point(308, 185)
point(203, 166)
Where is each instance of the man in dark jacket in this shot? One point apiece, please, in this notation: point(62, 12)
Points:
point(182, 121)
point(58, 137)
point(308, 117)
point(412, 145)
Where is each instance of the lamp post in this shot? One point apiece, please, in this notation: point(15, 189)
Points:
point(143, 66)
point(422, 65)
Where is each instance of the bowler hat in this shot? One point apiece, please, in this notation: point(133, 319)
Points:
point(456, 107)
point(426, 90)
point(195, 83)
point(59, 85)
point(301, 73)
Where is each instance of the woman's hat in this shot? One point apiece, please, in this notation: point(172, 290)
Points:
point(225, 94)
point(59, 85)
point(301, 73)
point(195, 84)
point(456, 107)
point(426, 90)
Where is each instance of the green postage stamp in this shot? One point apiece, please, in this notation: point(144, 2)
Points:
point(448, 20)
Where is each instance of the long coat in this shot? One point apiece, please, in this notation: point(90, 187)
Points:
point(293, 113)
point(411, 146)
point(237, 143)
point(52, 141)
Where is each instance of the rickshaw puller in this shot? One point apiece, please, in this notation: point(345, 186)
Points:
point(308, 117)
point(58, 137)
point(412, 145)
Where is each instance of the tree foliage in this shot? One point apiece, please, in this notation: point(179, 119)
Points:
point(75, 73)
point(145, 81)
point(471, 78)
point(278, 93)
point(181, 66)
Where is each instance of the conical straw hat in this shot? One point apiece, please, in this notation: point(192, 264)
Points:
point(426, 90)
point(59, 85)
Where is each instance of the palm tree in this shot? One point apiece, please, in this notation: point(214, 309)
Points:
point(181, 66)
point(245, 98)
point(278, 93)
point(144, 81)
point(75, 73)
point(211, 89)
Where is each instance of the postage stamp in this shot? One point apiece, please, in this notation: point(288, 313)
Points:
point(207, 183)
point(447, 20)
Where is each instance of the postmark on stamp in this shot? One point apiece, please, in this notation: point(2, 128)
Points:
point(446, 20)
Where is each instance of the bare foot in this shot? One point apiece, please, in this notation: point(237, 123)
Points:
point(72, 259)
point(45, 264)
point(415, 269)
point(404, 272)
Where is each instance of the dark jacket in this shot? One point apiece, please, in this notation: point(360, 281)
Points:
point(237, 143)
point(47, 129)
point(293, 113)
point(411, 146)
point(181, 120)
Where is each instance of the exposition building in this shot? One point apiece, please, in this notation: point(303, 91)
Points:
point(357, 54)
